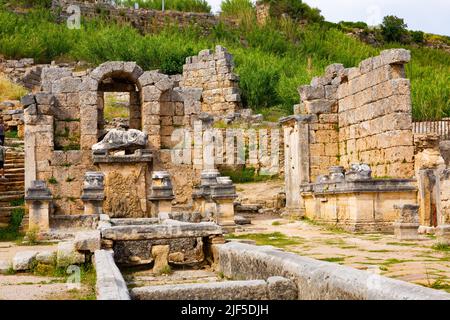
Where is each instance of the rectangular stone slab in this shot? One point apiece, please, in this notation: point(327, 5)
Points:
point(227, 290)
point(162, 231)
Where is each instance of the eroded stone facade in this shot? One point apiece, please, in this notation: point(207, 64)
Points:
point(66, 119)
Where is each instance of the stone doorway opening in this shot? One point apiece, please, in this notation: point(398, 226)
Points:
point(119, 105)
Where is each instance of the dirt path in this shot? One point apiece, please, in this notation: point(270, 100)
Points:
point(418, 261)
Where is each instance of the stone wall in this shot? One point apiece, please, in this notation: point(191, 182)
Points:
point(66, 118)
point(213, 72)
point(361, 115)
point(24, 72)
point(146, 21)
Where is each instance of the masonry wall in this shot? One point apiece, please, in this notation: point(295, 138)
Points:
point(362, 115)
point(213, 72)
point(146, 21)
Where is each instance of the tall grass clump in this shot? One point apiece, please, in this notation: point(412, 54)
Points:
point(241, 10)
point(9, 90)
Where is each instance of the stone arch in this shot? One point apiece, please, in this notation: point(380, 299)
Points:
point(90, 97)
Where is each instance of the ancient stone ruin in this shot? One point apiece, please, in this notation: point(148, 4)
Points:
point(115, 196)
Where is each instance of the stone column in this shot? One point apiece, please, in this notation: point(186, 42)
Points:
point(224, 194)
point(93, 192)
point(443, 212)
point(202, 194)
point(161, 194)
point(38, 199)
point(407, 225)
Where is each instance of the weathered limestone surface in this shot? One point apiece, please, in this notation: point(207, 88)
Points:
point(407, 225)
point(162, 231)
point(161, 258)
point(87, 241)
point(361, 114)
point(228, 290)
point(317, 279)
point(5, 266)
point(280, 288)
point(46, 257)
point(22, 260)
point(67, 254)
point(110, 283)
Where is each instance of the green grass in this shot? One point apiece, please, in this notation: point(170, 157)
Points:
point(441, 247)
point(12, 233)
point(402, 244)
point(246, 175)
point(333, 259)
point(276, 239)
point(13, 134)
point(271, 60)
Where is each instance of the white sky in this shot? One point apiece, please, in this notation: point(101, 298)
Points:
point(429, 16)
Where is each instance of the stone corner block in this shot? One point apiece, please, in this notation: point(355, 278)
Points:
point(68, 255)
point(280, 288)
point(88, 241)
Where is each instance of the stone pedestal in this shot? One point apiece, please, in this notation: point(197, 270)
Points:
point(224, 194)
point(38, 199)
point(93, 193)
point(161, 194)
point(443, 234)
point(407, 225)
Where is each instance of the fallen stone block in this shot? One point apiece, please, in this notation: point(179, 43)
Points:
point(88, 241)
point(46, 257)
point(23, 261)
point(67, 254)
point(5, 266)
point(228, 290)
point(242, 220)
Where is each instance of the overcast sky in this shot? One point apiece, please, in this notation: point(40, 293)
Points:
point(429, 16)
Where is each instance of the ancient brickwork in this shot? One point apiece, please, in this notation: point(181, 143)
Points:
point(213, 72)
point(146, 21)
point(66, 118)
point(362, 115)
point(24, 72)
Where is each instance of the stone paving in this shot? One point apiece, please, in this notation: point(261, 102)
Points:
point(413, 261)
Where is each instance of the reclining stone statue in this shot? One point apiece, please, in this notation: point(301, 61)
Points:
point(129, 140)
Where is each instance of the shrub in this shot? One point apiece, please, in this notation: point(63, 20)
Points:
point(393, 29)
point(417, 37)
point(295, 9)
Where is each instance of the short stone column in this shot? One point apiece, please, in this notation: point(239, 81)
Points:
point(407, 225)
point(202, 193)
point(93, 193)
point(224, 194)
point(38, 199)
point(161, 194)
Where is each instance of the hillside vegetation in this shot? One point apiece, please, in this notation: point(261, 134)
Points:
point(272, 60)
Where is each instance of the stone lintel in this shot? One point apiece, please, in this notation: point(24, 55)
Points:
point(367, 186)
point(166, 231)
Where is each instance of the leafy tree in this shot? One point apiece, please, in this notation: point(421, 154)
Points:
point(393, 29)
